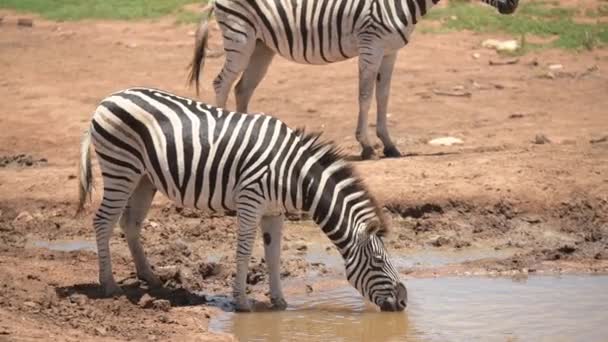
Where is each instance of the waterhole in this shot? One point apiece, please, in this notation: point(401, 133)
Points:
point(63, 245)
point(541, 308)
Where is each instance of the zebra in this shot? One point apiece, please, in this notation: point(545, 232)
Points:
point(316, 32)
point(208, 158)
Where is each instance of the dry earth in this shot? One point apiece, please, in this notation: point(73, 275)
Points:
point(548, 203)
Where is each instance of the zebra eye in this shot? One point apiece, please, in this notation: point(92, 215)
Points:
point(378, 258)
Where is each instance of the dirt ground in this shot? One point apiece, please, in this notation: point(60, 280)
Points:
point(501, 189)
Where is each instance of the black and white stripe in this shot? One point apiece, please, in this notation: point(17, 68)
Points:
point(316, 32)
point(208, 158)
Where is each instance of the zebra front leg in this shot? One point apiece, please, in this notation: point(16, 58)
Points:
point(383, 87)
point(131, 221)
point(252, 76)
point(369, 63)
point(271, 228)
point(248, 217)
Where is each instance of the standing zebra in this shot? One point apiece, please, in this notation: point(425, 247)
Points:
point(203, 157)
point(316, 32)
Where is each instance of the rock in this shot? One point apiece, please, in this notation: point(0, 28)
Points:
point(498, 45)
point(191, 33)
point(309, 288)
point(25, 22)
point(145, 301)
point(161, 304)
point(440, 241)
point(445, 141)
point(30, 304)
point(555, 67)
point(132, 45)
point(476, 55)
point(23, 217)
point(541, 139)
point(301, 247)
point(101, 331)
point(566, 249)
point(78, 299)
point(532, 219)
point(209, 269)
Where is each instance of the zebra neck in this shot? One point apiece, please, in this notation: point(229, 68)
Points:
point(339, 204)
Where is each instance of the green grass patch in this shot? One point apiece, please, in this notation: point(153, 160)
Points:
point(541, 19)
point(98, 9)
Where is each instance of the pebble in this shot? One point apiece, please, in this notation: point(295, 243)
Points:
point(161, 304)
point(476, 55)
point(26, 22)
point(23, 216)
point(78, 298)
point(556, 67)
point(501, 45)
point(445, 141)
point(541, 139)
point(145, 301)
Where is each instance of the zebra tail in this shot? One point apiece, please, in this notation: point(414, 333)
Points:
point(85, 177)
point(200, 45)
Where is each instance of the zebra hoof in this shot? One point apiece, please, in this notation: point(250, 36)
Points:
point(368, 153)
point(244, 306)
point(152, 281)
point(278, 304)
point(392, 152)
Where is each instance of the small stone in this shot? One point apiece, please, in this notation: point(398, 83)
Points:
point(161, 304)
point(191, 33)
point(146, 301)
point(132, 45)
point(476, 55)
point(309, 288)
point(23, 217)
point(25, 22)
point(440, 241)
point(301, 247)
point(541, 139)
point(30, 304)
point(78, 298)
point(556, 67)
point(445, 141)
point(72, 177)
point(164, 319)
point(101, 331)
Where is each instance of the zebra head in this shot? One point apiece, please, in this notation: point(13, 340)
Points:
point(371, 272)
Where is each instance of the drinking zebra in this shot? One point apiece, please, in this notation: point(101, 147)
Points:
point(316, 32)
point(207, 158)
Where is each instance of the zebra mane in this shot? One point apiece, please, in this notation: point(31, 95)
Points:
point(334, 154)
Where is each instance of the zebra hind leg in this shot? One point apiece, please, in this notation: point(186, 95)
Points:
point(131, 221)
point(272, 228)
point(238, 48)
point(383, 85)
point(369, 63)
point(252, 76)
point(116, 193)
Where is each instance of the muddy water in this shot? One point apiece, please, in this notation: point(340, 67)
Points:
point(566, 308)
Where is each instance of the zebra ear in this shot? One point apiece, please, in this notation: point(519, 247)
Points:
point(374, 227)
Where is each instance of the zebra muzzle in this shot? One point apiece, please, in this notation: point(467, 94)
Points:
point(507, 6)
